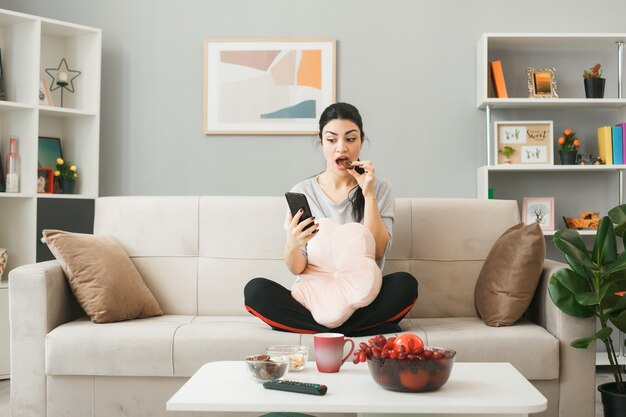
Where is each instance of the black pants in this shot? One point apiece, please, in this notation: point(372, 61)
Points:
point(273, 303)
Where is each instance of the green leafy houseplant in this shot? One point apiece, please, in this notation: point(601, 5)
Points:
point(594, 283)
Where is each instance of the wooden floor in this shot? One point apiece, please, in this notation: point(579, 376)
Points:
point(601, 377)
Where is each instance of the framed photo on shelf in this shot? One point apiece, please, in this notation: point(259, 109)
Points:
point(45, 180)
point(45, 97)
point(541, 83)
point(525, 142)
point(267, 86)
point(48, 151)
point(539, 210)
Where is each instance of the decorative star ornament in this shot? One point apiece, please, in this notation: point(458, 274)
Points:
point(70, 75)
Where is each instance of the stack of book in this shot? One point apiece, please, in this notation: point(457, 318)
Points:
point(612, 144)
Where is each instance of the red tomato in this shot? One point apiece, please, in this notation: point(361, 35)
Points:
point(410, 342)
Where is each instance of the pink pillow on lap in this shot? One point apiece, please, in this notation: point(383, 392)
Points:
point(341, 275)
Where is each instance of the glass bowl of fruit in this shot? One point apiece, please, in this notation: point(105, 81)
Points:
point(298, 354)
point(263, 368)
point(404, 364)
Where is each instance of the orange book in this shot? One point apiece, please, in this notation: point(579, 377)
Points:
point(498, 79)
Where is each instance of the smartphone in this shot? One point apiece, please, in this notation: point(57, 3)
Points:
point(296, 202)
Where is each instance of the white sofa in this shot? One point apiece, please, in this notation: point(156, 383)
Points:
point(197, 253)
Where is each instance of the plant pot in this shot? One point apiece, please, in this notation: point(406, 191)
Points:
point(67, 186)
point(614, 404)
point(594, 87)
point(568, 157)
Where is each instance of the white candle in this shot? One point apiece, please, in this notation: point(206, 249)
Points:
point(62, 77)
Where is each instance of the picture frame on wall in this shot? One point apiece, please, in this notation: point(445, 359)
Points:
point(541, 82)
point(267, 86)
point(539, 210)
point(524, 142)
point(45, 180)
point(45, 97)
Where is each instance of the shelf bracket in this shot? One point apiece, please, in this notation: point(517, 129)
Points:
point(488, 128)
point(620, 54)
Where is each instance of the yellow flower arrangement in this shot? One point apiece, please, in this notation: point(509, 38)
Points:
point(65, 170)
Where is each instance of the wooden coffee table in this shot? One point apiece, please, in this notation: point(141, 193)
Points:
point(493, 389)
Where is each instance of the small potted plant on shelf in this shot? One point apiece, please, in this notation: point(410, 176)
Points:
point(66, 175)
point(507, 151)
point(568, 147)
point(594, 83)
point(594, 285)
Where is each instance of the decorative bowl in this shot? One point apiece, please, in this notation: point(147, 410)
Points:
point(298, 354)
point(412, 375)
point(265, 368)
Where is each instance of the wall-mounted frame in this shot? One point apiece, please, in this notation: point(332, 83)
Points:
point(531, 142)
point(541, 82)
point(539, 210)
point(267, 86)
point(45, 180)
point(45, 97)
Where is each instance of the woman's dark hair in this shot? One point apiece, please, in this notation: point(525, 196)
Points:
point(345, 111)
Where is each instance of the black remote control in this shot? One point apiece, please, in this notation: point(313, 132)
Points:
point(295, 386)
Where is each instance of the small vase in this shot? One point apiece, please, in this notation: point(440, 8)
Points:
point(594, 87)
point(67, 186)
point(568, 157)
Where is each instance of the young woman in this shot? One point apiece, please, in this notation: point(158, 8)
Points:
point(343, 195)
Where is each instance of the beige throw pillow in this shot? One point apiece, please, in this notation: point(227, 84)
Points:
point(102, 277)
point(509, 277)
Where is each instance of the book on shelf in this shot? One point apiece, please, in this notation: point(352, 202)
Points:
point(605, 146)
point(498, 79)
point(616, 139)
point(490, 92)
point(623, 125)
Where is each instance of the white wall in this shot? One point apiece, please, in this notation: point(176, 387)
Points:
point(409, 66)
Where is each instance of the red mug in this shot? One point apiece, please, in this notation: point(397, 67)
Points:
point(328, 348)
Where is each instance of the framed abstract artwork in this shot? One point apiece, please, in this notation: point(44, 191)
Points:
point(525, 142)
point(267, 86)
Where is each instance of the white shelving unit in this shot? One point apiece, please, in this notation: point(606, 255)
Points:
point(29, 45)
point(569, 53)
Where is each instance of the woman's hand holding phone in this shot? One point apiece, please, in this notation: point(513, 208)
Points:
point(300, 232)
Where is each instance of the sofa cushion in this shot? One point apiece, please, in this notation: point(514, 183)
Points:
point(509, 277)
point(102, 277)
point(141, 347)
point(169, 345)
point(341, 275)
point(529, 347)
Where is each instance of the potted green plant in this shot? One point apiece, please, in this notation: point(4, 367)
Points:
point(66, 175)
point(507, 151)
point(594, 285)
point(594, 83)
point(568, 147)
